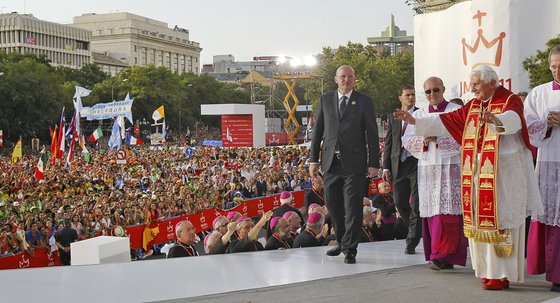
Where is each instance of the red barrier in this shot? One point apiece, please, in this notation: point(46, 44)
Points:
point(23, 260)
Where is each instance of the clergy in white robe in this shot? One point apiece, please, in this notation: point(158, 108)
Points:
point(542, 103)
point(439, 188)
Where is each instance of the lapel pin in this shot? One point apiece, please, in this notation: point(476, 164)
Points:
point(353, 102)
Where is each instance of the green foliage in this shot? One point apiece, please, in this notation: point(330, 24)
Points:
point(538, 67)
point(379, 76)
point(32, 94)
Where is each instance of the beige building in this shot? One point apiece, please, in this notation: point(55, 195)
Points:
point(62, 44)
point(137, 40)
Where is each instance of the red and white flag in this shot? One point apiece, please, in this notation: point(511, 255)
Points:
point(40, 170)
point(130, 140)
point(98, 133)
point(1, 139)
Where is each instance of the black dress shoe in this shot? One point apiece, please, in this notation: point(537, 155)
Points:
point(555, 287)
point(333, 252)
point(350, 259)
point(410, 251)
point(447, 266)
point(436, 265)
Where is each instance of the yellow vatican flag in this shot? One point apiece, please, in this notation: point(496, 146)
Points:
point(158, 113)
point(17, 152)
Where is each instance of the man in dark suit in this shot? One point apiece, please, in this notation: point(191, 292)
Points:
point(261, 185)
point(402, 168)
point(345, 121)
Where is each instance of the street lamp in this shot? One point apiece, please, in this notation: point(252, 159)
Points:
point(112, 87)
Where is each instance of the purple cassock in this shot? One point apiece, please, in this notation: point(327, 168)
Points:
point(543, 251)
point(451, 244)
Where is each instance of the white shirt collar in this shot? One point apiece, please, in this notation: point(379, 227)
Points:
point(347, 95)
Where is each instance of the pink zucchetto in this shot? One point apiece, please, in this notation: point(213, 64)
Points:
point(273, 222)
point(314, 218)
point(287, 215)
point(285, 197)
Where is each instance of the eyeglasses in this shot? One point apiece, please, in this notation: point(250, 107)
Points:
point(436, 90)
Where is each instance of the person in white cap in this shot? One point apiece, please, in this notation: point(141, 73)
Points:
point(498, 189)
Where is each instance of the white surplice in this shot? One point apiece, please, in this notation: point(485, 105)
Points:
point(540, 101)
point(439, 169)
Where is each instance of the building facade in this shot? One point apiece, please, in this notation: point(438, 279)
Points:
point(62, 44)
point(393, 39)
point(137, 40)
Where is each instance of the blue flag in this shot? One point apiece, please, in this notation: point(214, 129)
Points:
point(115, 141)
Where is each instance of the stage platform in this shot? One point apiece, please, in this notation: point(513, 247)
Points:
point(289, 275)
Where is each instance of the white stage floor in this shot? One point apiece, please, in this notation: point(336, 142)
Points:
point(165, 279)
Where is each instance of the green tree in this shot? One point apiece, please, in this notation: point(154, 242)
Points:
point(379, 76)
point(31, 97)
point(538, 66)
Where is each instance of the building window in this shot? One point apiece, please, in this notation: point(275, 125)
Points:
point(135, 60)
point(135, 48)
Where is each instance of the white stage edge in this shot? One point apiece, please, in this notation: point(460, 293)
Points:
point(100, 250)
point(165, 279)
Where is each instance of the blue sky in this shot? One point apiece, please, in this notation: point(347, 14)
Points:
point(246, 28)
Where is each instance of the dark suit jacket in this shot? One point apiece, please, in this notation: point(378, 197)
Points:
point(393, 145)
point(306, 239)
point(356, 128)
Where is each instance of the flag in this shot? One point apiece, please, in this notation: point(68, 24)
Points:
point(83, 144)
point(228, 135)
point(71, 128)
point(158, 113)
point(81, 92)
point(164, 131)
point(53, 144)
point(115, 141)
point(136, 130)
point(73, 138)
point(130, 140)
point(17, 152)
point(40, 170)
point(1, 139)
point(60, 137)
point(188, 131)
point(98, 133)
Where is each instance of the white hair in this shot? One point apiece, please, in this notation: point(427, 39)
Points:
point(367, 210)
point(180, 227)
point(214, 236)
point(486, 73)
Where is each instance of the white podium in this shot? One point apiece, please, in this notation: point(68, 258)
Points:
point(100, 250)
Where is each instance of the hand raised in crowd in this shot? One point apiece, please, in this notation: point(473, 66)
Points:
point(325, 231)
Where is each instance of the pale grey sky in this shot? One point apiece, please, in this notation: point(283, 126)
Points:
point(246, 28)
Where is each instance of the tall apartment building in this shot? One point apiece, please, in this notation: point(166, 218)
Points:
point(137, 40)
point(62, 44)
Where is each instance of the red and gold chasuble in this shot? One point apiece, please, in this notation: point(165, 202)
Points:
point(479, 166)
point(481, 223)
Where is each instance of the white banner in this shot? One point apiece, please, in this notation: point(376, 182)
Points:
point(113, 109)
point(499, 33)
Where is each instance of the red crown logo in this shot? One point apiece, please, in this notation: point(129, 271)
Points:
point(488, 44)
